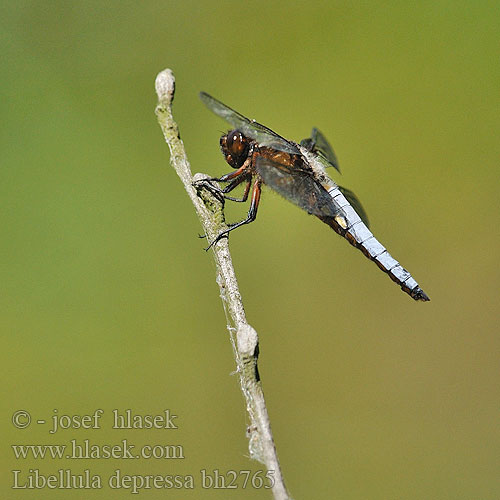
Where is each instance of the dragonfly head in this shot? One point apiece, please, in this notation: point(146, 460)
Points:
point(235, 146)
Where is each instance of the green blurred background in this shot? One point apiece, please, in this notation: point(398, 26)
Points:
point(109, 301)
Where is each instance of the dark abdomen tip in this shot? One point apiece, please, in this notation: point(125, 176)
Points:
point(419, 294)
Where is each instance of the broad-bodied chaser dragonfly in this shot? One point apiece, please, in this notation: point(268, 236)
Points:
point(297, 172)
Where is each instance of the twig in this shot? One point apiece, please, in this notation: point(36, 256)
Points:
point(244, 338)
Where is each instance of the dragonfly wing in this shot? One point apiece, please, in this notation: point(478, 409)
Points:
point(318, 144)
point(356, 204)
point(260, 133)
point(298, 186)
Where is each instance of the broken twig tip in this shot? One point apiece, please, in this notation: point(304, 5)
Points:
point(165, 85)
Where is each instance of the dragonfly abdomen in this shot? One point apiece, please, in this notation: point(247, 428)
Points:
point(349, 225)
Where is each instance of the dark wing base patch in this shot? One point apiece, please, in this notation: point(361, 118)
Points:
point(297, 186)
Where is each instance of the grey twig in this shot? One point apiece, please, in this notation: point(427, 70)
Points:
point(244, 338)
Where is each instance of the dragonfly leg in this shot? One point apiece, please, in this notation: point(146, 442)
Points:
point(234, 178)
point(231, 175)
point(236, 183)
point(252, 214)
point(220, 194)
point(214, 190)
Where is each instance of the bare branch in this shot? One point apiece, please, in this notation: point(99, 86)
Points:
point(244, 338)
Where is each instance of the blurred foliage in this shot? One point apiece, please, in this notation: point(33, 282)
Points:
point(108, 300)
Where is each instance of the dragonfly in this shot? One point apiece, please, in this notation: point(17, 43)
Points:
point(298, 172)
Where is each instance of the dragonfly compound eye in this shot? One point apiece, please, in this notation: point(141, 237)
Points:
point(235, 147)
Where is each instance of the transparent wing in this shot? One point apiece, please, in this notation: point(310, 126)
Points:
point(260, 133)
point(356, 204)
point(324, 146)
point(318, 144)
point(298, 186)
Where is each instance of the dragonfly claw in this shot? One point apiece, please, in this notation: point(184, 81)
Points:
point(223, 234)
point(214, 190)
